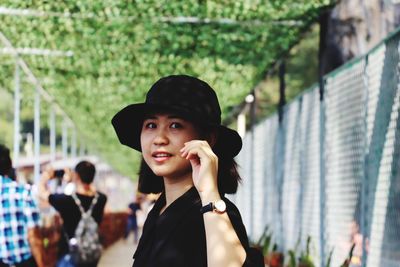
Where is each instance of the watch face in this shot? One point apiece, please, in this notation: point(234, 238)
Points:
point(220, 206)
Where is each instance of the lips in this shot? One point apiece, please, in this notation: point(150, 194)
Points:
point(161, 156)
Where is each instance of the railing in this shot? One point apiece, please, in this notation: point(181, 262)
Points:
point(330, 169)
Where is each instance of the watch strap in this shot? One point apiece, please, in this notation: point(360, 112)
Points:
point(207, 208)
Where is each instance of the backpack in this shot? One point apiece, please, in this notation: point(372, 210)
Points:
point(85, 247)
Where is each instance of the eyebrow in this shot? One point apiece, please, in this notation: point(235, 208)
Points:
point(153, 117)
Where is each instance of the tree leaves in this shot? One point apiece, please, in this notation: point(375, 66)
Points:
point(120, 49)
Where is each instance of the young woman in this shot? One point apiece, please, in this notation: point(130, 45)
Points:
point(188, 157)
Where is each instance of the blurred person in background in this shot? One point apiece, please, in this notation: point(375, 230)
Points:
point(20, 242)
point(69, 209)
point(132, 223)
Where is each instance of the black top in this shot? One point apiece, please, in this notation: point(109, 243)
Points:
point(71, 215)
point(177, 238)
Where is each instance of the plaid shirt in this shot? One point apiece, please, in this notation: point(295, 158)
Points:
point(18, 212)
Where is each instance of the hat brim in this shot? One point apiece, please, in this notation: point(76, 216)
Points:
point(128, 123)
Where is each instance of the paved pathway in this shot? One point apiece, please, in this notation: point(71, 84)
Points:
point(119, 254)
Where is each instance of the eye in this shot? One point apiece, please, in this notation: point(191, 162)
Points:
point(176, 125)
point(150, 125)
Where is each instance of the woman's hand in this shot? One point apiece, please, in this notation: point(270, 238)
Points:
point(205, 168)
point(221, 238)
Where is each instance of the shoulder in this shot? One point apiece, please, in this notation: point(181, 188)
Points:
point(13, 187)
point(9, 184)
point(56, 199)
point(102, 197)
point(232, 210)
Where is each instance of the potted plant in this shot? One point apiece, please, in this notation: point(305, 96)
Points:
point(304, 260)
point(272, 257)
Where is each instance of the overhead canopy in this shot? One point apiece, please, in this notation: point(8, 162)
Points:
point(95, 57)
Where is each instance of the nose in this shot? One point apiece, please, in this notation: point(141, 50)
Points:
point(160, 138)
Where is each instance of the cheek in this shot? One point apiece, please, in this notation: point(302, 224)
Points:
point(146, 159)
point(143, 141)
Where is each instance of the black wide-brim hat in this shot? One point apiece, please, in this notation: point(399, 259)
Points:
point(186, 96)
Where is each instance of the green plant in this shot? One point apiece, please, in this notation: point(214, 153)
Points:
point(305, 257)
point(264, 241)
point(347, 261)
point(119, 49)
point(328, 262)
point(292, 258)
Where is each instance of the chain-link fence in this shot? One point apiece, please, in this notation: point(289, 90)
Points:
point(330, 169)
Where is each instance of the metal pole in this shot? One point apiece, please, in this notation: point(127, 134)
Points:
point(64, 140)
point(364, 225)
point(252, 161)
point(241, 124)
point(30, 76)
point(282, 87)
point(281, 147)
point(73, 143)
point(17, 102)
point(52, 123)
point(37, 137)
point(81, 148)
point(322, 181)
point(323, 36)
point(302, 161)
point(279, 176)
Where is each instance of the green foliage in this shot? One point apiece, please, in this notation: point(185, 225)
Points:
point(264, 242)
point(329, 260)
point(302, 64)
point(347, 261)
point(305, 257)
point(302, 260)
point(120, 49)
point(292, 258)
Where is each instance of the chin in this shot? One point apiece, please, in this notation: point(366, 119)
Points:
point(159, 171)
point(171, 173)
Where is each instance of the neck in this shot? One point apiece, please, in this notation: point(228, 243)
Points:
point(176, 188)
point(84, 189)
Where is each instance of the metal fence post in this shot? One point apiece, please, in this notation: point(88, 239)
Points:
point(252, 159)
point(322, 182)
point(37, 136)
point(364, 182)
point(64, 139)
point(280, 157)
point(301, 172)
point(52, 123)
point(73, 143)
point(17, 102)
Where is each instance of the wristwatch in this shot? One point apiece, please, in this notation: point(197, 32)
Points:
point(218, 206)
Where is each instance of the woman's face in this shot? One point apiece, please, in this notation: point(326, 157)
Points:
point(162, 137)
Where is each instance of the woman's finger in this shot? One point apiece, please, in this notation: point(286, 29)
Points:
point(202, 152)
point(189, 146)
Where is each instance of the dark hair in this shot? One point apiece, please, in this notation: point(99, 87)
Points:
point(86, 171)
point(228, 175)
point(5, 160)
